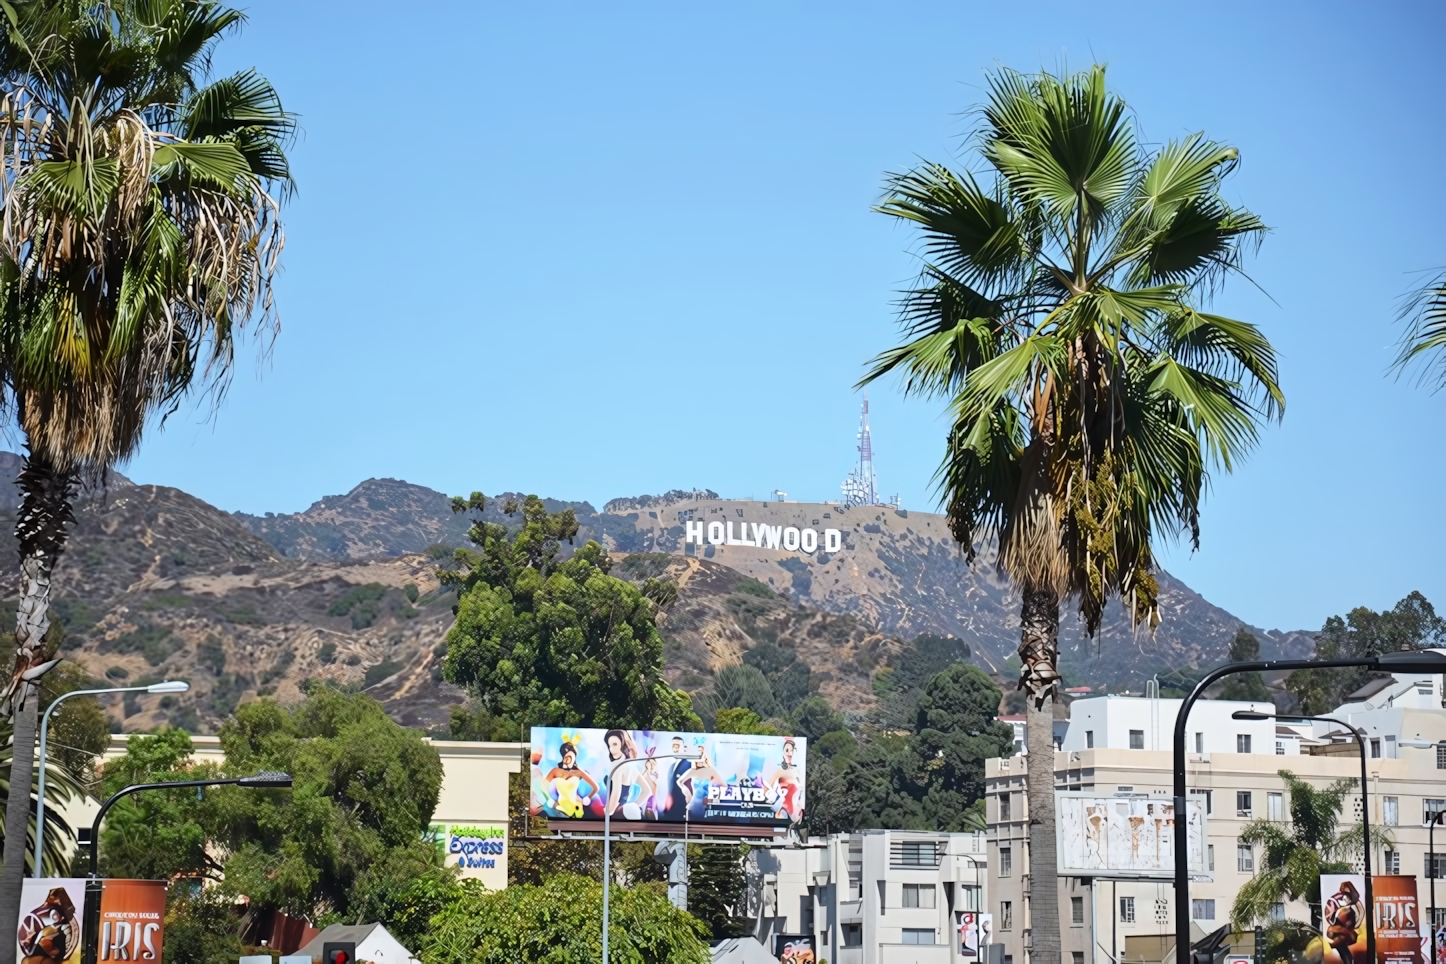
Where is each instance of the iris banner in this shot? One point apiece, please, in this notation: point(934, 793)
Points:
point(729, 778)
point(1399, 935)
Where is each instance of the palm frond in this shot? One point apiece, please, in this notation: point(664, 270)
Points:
point(1424, 342)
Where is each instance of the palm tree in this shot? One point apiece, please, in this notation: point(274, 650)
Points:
point(1425, 317)
point(1058, 312)
point(1295, 854)
point(140, 234)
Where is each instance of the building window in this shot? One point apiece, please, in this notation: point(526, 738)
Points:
point(1127, 910)
point(1242, 803)
point(853, 935)
point(969, 897)
point(1274, 806)
point(1391, 811)
point(1207, 799)
point(1006, 861)
point(918, 853)
point(1076, 957)
point(1438, 916)
point(1006, 915)
point(919, 895)
point(1244, 859)
point(1441, 755)
point(1137, 739)
point(1279, 748)
point(1391, 860)
point(1199, 742)
point(918, 935)
point(1277, 911)
point(1202, 909)
point(1210, 856)
point(1430, 807)
point(1076, 910)
point(1124, 789)
point(1089, 741)
point(1375, 749)
point(1242, 743)
point(1004, 808)
point(1437, 868)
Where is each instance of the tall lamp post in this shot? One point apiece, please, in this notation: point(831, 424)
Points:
point(258, 781)
point(1365, 813)
point(1409, 661)
point(165, 686)
point(607, 833)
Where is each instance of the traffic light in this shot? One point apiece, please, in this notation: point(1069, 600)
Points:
point(340, 952)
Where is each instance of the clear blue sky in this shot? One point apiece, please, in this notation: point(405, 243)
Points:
point(594, 250)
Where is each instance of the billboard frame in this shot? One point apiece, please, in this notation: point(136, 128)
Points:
point(1197, 873)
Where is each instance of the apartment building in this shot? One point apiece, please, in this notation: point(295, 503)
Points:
point(1121, 746)
point(873, 897)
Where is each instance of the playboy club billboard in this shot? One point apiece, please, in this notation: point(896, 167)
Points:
point(730, 778)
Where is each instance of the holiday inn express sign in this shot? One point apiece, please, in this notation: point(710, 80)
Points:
point(786, 538)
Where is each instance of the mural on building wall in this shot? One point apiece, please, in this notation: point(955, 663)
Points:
point(727, 779)
point(1123, 835)
point(793, 948)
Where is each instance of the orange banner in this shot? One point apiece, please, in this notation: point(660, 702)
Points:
point(132, 915)
point(1398, 920)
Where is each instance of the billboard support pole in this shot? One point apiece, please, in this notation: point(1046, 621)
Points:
point(607, 871)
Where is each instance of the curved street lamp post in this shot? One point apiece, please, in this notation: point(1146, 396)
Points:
point(165, 686)
point(1407, 661)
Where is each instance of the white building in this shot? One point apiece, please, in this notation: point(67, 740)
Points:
point(1122, 746)
point(873, 897)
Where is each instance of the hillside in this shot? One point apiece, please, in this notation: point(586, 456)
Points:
point(898, 570)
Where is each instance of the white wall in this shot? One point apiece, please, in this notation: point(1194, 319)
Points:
point(1110, 719)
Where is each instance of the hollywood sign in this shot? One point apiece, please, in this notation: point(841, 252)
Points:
point(788, 538)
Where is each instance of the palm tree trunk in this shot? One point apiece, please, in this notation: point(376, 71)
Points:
point(1038, 649)
point(45, 511)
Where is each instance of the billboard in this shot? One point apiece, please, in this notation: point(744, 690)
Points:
point(1123, 836)
point(733, 779)
point(52, 910)
point(132, 914)
point(793, 948)
point(975, 930)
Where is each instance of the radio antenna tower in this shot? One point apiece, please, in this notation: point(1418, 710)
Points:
point(861, 487)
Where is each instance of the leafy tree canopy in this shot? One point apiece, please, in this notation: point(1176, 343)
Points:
point(544, 640)
point(1245, 648)
point(1411, 624)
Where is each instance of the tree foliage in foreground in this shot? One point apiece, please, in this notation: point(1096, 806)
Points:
point(544, 640)
point(558, 921)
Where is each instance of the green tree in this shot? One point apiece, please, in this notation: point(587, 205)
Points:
point(716, 882)
point(742, 721)
point(543, 640)
point(1059, 313)
point(141, 233)
point(1245, 648)
point(746, 687)
point(339, 846)
point(558, 921)
point(1294, 855)
point(1411, 624)
point(1424, 341)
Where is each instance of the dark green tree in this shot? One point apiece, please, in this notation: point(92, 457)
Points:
point(1245, 648)
point(1411, 624)
point(546, 640)
point(716, 882)
point(745, 687)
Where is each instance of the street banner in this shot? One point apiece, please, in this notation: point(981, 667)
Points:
point(1343, 919)
point(736, 779)
point(793, 949)
point(132, 915)
point(975, 930)
point(52, 914)
point(1398, 920)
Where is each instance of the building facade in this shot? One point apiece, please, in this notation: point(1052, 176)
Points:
point(1121, 746)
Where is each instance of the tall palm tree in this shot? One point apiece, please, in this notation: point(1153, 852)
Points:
point(1059, 313)
point(140, 234)
point(1425, 339)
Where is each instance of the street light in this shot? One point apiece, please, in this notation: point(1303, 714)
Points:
point(164, 686)
point(266, 780)
point(607, 830)
point(1430, 845)
point(1365, 812)
point(1409, 661)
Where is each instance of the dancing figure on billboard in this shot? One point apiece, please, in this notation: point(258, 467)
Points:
point(785, 784)
point(1344, 912)
point(565, 779)
point(632, 783)
point(700, 772)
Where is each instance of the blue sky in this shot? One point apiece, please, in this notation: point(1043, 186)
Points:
point(594, 250)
